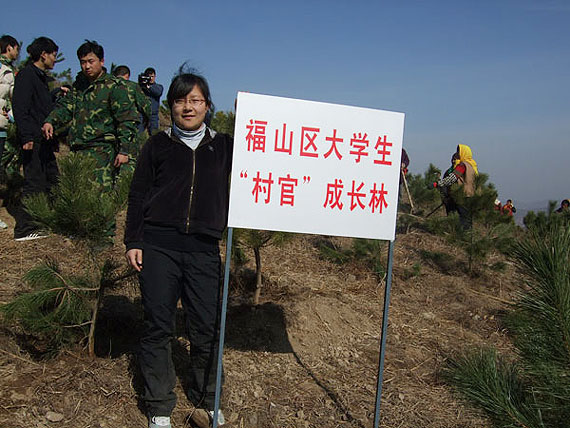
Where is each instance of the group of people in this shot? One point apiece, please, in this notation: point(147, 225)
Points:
point(508, 209)
point(178, 201)
point(177, 205)
point(457, 185)
point(100, 115)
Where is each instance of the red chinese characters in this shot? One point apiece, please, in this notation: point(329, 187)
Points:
point(357, 194)
point(256, 135)
point(311, 143)
point(288, 185)
point(359, 144)
point(378, 199)
point(382, 150)
point(308, 146)
point(333, 140)
point(262, 187)
point(283, 145)
point(334, 192)
point(358, 197)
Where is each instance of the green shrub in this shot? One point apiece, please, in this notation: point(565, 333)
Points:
point(534, 392)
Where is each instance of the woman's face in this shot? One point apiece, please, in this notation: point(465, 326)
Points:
point(189, 112)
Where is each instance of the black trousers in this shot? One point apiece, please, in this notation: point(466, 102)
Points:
point(40, 175)
point(195, 279)
point(465, 218)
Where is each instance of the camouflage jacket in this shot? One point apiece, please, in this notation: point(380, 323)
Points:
point(141, 101)
point(97, 112)
point(6, 89)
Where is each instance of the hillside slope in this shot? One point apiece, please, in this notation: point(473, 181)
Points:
point(306, 357)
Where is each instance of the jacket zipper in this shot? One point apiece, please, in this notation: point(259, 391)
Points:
point(191, 191)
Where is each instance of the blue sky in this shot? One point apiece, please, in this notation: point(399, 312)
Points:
point(491, 74)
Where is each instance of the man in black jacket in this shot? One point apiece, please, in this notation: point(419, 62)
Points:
point(31, 103)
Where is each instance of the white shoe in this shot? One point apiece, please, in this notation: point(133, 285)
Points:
point(31, 237)
point(159, 422)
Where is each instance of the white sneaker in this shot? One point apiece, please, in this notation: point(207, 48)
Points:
point(159, 422)
point(31, 237)
point(3, 225)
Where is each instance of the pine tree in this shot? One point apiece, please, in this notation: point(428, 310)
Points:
point(534, 392)
point(224, 122)
point(256, 240)
point(60, 308)
point(424, 199)
point(490, 230)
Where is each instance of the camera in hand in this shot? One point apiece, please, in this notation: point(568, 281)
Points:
point(144, 79)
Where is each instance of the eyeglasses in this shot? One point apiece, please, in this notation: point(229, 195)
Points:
point(194, 102)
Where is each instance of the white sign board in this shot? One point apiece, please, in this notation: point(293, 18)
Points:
point(311, 167)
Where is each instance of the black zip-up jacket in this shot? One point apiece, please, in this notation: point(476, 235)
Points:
point(31, 102)
point(176, 187)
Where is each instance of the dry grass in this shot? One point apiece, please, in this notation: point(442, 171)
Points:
point(306, 357)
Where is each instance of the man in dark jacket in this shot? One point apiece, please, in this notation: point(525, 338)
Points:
point(31, 104)
point(154, 91)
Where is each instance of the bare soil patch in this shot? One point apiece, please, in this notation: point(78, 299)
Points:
point(306, 357)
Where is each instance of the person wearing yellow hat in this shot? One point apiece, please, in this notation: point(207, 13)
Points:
point(463, 175)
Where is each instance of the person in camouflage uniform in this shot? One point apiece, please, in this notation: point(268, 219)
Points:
point(100, 114)
point(142, 103)
point(138, 97)
point(9, 51)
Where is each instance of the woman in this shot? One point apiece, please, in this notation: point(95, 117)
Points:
point(178, 205)
point(462, 174)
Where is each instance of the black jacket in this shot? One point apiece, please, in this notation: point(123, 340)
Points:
point(31, 102)
point(176, 187)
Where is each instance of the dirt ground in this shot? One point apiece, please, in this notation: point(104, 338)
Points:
point(307, 356)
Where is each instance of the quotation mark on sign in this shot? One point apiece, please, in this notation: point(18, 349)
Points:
point(306, 179)
point(243, 174)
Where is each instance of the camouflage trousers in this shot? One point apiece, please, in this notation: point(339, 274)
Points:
point(105, 172)
point(104, 156)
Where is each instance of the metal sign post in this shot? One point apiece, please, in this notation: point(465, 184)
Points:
point(223, 326)
point(384, 332)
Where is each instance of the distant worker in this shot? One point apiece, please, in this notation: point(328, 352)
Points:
point(404, 163)
point(564, 206)
point(448, 202)
point(498, 206)
point(459, 185)
point(153, 90)
point(508, 209)
point(9, 52)
point(101, 118)
point(141, 101)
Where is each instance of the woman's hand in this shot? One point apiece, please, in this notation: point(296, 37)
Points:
point(134, 258)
